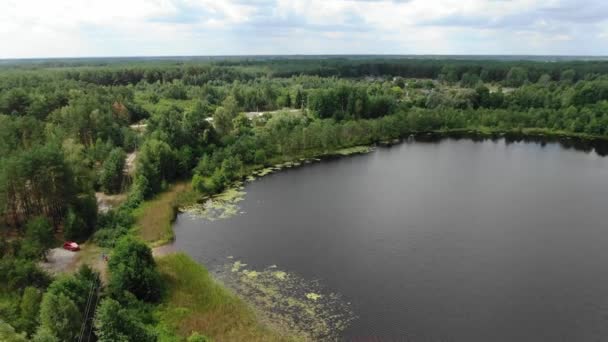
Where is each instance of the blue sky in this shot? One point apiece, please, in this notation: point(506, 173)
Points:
point(78, 28)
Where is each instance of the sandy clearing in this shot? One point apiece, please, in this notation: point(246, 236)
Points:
point(59, 260)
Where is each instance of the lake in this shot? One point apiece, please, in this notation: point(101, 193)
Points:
point(449, 240)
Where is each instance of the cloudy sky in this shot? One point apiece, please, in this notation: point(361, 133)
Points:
point(76, 28)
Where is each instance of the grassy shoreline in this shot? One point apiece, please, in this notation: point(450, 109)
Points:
point(195, 301)
point(154, 218)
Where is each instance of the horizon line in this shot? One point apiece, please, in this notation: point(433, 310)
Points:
point(294, 55)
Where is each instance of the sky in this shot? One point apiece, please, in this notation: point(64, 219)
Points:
point(96, 28)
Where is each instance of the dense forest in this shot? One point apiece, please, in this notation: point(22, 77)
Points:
point(73, 130)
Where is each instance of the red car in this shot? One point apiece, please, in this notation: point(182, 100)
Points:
point(71, 246)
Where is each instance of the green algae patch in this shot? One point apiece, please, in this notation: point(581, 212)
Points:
point(237, 266)
point(221, 206)
point(251, 274)
point(287, 302)
point(280, 275)
point(313, 296)
point(354, 150)
point(265, 171)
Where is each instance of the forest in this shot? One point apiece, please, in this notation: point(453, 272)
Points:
point(74, 130)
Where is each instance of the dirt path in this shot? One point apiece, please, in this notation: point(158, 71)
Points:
point(130, 163)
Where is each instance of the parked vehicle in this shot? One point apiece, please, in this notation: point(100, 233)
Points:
point(71, 246)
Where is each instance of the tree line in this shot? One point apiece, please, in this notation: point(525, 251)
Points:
point(66, 132)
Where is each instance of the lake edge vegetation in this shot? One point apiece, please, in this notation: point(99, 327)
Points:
point(71, 129)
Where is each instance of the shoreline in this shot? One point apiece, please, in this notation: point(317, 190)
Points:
point(581, 142)
point(163, 249)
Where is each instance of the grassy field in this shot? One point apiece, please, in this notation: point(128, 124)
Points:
point(195, 302)
point(154, 217)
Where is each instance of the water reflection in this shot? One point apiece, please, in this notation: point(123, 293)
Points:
point(599, 146)
point(460, 239)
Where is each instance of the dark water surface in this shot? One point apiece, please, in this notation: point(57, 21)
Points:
point(446, 241)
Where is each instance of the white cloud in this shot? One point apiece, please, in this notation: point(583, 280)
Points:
point(30, 28)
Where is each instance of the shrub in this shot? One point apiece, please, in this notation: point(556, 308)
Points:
point(196, 337)
point(59, 317)
point(132, 268)
point(112, 172)
point(29, 309)
point(115, 323)
point(38, 238)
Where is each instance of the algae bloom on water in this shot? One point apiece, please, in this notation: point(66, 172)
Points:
point(280, 275)
point(220, 206)
point(289, 302)
point(237, 266)
point(313, 296)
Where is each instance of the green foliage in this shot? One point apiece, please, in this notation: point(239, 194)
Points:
point(112, 172)
point(8, 333)
point(516, 77)
point(196, 337)
point(470, 80)
point(132, 268)
point(15, 102)
point(59, 317)
point(80, 222)
point(73, 226)
point(38, 239)
point(74, 288)
point(37, 182)
point(112, 226)
point(155, 163)
point(64, 304)
point(222, 121)
point(115, 323)
point(65, 131)
point(568, 76)
point(260, 157)
point(29, 309)
point(17, 273)
point(45, 334)
point(232, 168)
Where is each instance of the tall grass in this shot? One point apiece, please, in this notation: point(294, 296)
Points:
point(153, 218)
point(196, 303)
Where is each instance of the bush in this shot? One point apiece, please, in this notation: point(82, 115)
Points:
point(19, 273)
point(38, 239)
point(112, 226)
point(74, 288)
point(85, 207)
point(156, 162)
point(232, 168)
point(45, 334)
point(59, 317)
point(74, 226)
point(29, 309)
point(8, 333)
point(132, 268)
point(205, 166)
point(112, 172)
point(196, 337)
point(260, 157)
point(107, 237)
point(115, 323)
